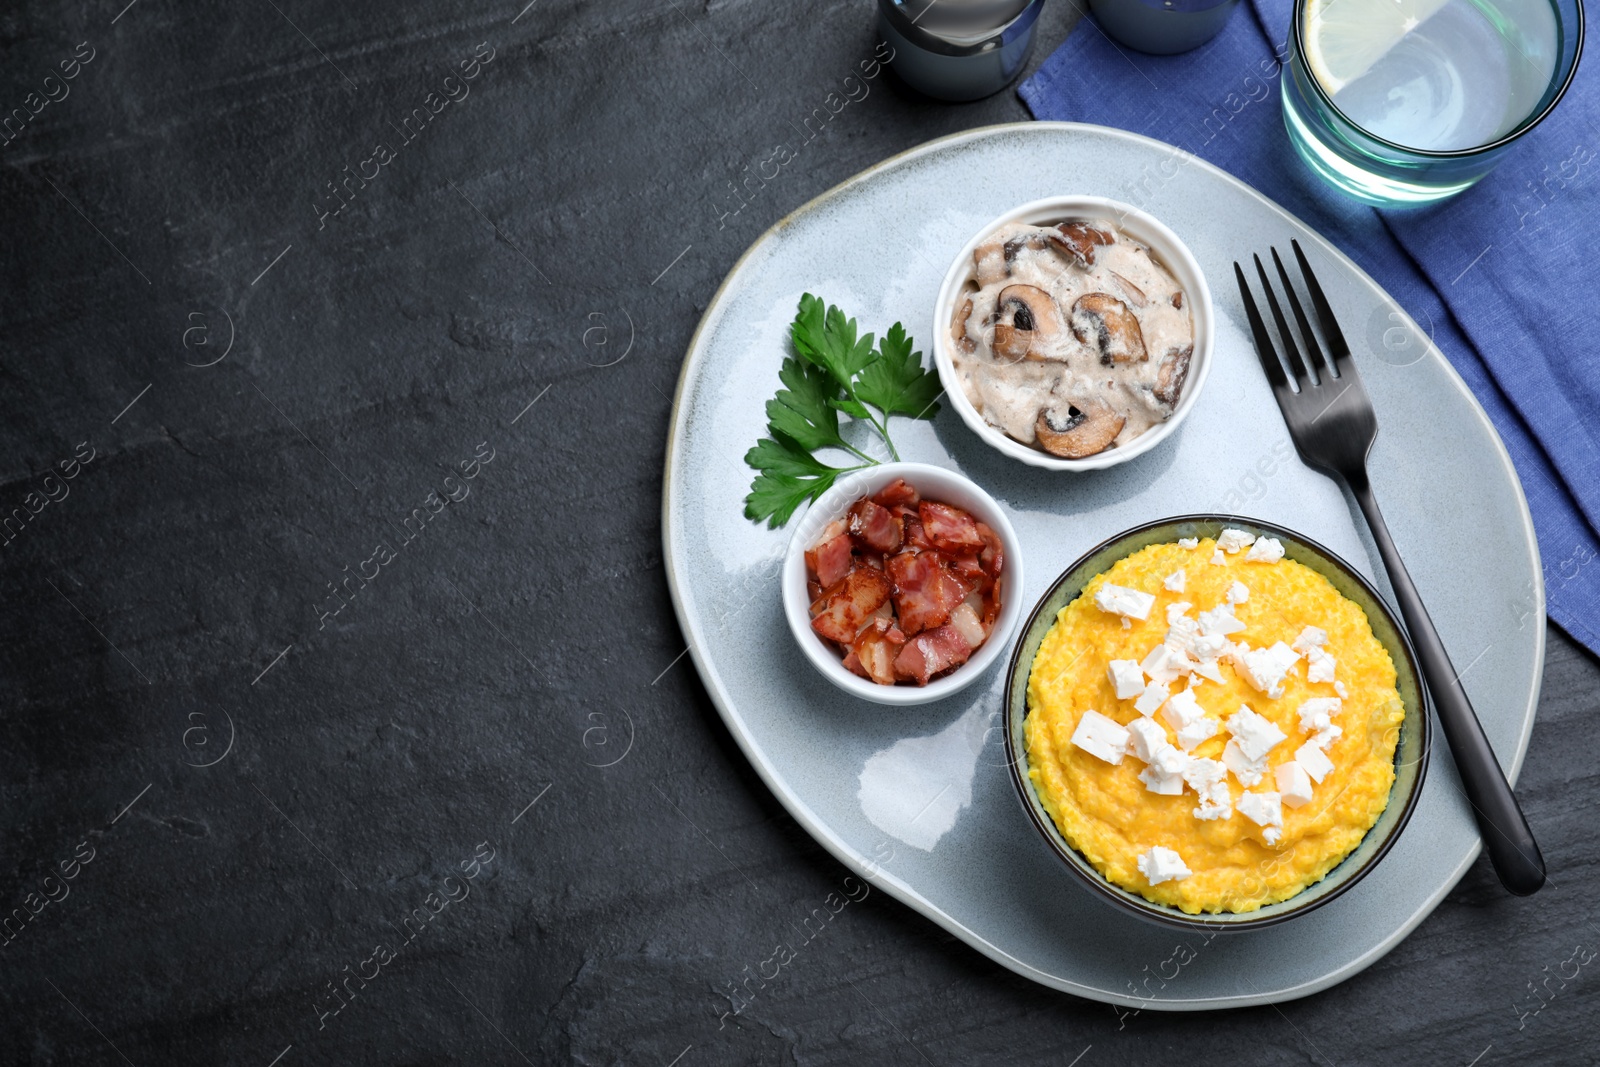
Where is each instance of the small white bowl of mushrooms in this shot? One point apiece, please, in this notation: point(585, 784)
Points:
point(1074, 333)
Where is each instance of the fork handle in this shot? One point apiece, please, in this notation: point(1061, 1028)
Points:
point(1506, 836)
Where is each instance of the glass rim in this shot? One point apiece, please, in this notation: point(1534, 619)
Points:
point(1580, 32)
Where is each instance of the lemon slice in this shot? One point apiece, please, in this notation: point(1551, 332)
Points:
point(1344, 38)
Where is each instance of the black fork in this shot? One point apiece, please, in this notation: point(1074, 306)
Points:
point(1332, 424)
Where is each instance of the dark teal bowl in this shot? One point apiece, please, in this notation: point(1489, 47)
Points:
point(1411, 751)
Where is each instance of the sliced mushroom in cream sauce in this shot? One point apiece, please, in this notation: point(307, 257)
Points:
point(1071, 338)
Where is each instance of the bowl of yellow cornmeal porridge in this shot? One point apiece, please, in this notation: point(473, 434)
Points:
point(1216, 721)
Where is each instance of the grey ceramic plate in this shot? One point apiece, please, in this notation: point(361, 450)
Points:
point(918, 799)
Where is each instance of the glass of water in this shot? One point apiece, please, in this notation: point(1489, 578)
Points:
point(1409, 101)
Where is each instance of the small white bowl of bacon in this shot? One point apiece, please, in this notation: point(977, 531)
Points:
point(903, 583)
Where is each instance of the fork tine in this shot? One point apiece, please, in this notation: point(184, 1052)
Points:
point(1290, 348)
point(1258, 328)
point(1313, 350)
point(1337, 348)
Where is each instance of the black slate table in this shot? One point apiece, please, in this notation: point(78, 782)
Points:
point(345, 717)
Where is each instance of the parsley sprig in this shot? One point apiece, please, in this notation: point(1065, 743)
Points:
point(833, 370)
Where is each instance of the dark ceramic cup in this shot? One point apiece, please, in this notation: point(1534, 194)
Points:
point(1411, 751)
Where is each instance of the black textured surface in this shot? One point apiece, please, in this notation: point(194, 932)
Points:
point(173, 598)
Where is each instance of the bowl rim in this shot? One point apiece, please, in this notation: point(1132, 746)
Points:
point(827, 663)
point(1163, 914)
point(1175, 255)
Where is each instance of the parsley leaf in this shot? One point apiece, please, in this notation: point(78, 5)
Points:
point(853, 408)
point(789, 476)
point(803, 412)
point(895, 382)
point(828, 339)
point(837, 370)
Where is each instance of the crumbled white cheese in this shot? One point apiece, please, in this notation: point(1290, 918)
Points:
point(1311, 637)
point(1177, 610)
point(1190, 543)
point(1256, 734)
point(1168, 760)
point(1319, 666)
point(1220, 620)
point(1272, 835)
point(1208, 778)
point(1126, 676)
point(1179, 642)
point(1202, 773)
point(1146, 738)
point(1162, 865)
point(1206, 668)
point(1231, 541)
point(1166, 785)
point(1264, 668)
point(1247, 770)
point(1326, 736)
point(1318, 712)
point(1238, 592)
point(1189, 651)
point(1164, 664)
point(1181, 633)
point(1265, 550)
point(1174, 581)
point(1206, 647)
point(1181, 709)
point(1294, 784)
point(1313, 761)
point(1196, 732)
point(1120, 600)
point(1127, 623)
point(1263, 809)
point(1218, 558)
point(1216, 802)
point(1164, 775)
point(1101, 737)
point(1154, 695)
point(1338, 687)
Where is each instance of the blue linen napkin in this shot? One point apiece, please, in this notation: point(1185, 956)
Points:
point(1499, 271)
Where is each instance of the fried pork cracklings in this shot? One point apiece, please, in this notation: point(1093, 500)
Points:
point(905, 589)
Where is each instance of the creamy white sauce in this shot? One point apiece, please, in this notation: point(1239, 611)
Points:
point(1060, 369)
